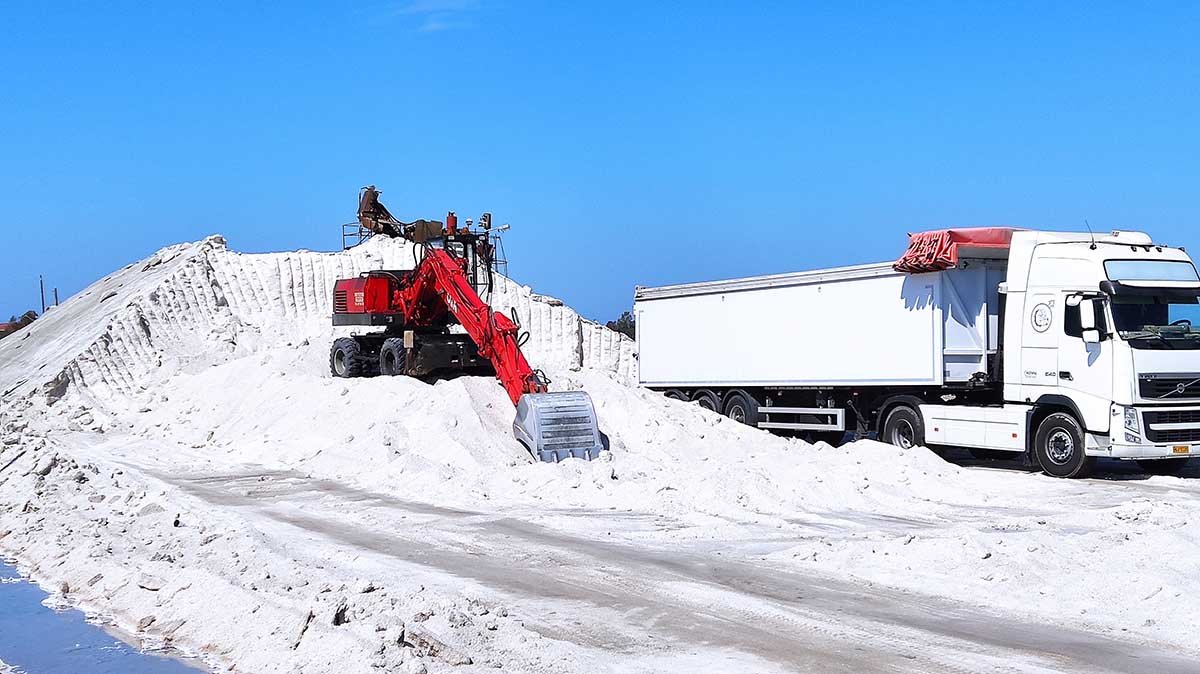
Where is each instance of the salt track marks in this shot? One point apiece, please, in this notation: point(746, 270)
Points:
point(334, 526)
point(798, 621)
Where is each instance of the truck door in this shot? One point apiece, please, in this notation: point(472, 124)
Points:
point(1085, 360)
point(1039, 345)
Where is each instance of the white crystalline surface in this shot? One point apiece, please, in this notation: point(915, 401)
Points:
point(177, 457)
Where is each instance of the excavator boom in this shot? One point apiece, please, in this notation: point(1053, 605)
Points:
point(553, 426)
point(440, 283)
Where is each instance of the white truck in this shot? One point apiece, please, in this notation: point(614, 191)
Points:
point(1063, 346)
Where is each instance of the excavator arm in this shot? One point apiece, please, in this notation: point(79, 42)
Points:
point(553, 426)
point(440, 284)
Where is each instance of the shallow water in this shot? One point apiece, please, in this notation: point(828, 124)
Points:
point(35, 639)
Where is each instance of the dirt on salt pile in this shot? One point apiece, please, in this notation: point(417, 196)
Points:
point(177, 457)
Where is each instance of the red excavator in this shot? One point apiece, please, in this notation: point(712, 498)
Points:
point(415, 309)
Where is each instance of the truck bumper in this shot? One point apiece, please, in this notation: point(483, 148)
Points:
point(1147, 430)
point(1175, 451)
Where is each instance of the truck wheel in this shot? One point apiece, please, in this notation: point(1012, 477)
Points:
point(904, 427)
point(1058, 446)
point(676, 394)
point(708, 400)
point(392, 356)
point(742, 408)
point(1162, 466)
point(345, 358)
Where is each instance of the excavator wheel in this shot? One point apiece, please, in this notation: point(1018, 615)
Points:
point(392, 357)
point(345, 358)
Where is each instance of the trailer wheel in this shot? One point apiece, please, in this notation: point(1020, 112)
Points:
point(1162, 466)
point(1058, 446)
point(392, 356)
point(676, 394)
point(708, 400)
point(742, 408)
point(904, 428)
point(345, 358)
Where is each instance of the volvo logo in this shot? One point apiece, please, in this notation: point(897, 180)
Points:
point(1180, 388)
point(1042, 317)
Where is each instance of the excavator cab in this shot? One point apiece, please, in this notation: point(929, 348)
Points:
point(467, 245)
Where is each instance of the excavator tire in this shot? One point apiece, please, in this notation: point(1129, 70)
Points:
point(392, 356)
point(345, 358)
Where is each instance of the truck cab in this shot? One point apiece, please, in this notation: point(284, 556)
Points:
point(1105, 329)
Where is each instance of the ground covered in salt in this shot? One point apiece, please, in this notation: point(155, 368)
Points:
point(176, 456)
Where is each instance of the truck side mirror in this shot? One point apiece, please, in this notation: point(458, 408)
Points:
point(1091, 336)
point(1087, 315)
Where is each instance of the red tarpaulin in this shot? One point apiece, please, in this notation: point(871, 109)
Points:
point(938, 250)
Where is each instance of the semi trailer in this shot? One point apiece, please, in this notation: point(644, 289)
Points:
point(1063, 347)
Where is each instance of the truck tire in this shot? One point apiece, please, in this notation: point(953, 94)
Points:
point(1162, 466)
point(676, 394)
point(708, 400)
point(392, 356)
point(904, 428)
point(742, 408)
point(1058, 447)
point(345, 358)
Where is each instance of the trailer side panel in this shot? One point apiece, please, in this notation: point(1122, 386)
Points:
point(869, 327)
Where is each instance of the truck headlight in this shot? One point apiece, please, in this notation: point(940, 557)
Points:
point(1131, 420)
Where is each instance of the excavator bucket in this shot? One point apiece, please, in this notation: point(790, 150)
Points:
point(557, 426)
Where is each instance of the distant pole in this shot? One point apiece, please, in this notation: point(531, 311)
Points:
point(42, 285)
point(56, 297)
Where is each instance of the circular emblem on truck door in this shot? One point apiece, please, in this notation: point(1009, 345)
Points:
point(1042, 317)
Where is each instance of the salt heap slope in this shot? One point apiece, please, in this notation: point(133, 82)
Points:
point(195, 305)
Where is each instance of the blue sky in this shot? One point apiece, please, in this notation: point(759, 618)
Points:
point(626, 142)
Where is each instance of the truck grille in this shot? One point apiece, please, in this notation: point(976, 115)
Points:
point(1181, 435)
point(1171, 417)
point(1156, 418)
point(1171, 386)
point(339, 301)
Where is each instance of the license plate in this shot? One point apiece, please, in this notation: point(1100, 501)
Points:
point(1180, 449)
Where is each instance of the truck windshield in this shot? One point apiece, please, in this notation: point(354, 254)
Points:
point(1150, 270)
point(1168, 321)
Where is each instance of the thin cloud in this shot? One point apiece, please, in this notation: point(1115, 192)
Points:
point(437, 15)
point(435, 7)
point(433, 24)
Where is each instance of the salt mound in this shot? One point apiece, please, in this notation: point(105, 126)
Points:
point(196, 305)
point(223, 357)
